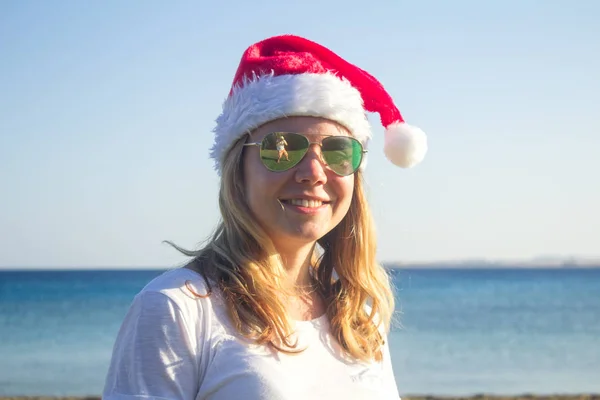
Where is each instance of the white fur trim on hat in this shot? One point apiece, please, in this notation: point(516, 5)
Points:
point(267, 98)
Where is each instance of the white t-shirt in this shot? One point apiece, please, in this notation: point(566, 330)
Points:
point(173, 345)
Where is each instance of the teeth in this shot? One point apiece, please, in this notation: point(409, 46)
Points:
point(306, 203)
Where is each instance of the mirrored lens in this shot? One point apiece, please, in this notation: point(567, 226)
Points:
point(281, 151)
point(343, 154)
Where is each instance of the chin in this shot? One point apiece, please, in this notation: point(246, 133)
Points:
point(303, 234)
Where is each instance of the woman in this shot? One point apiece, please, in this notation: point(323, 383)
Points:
point(286, 301)
point(281, 151)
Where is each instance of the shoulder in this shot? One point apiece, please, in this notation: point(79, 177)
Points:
point(173, 282)
point(179, 291)
point(376, 319)
point(174, 310)
point(166, 340)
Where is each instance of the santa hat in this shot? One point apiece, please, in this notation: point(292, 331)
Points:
point(287, 75)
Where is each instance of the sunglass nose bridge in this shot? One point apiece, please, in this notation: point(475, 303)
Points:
point(318, 150)
point(317, 144)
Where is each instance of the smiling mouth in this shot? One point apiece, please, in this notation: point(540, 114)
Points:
point(304, 203)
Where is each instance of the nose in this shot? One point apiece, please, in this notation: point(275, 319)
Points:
point(311, 169)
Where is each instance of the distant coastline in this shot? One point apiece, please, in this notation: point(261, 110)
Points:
point(538, 263)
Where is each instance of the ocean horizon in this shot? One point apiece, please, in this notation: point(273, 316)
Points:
point(475, 263)
point(460, 331)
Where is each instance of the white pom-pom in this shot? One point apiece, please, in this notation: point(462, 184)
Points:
point(404, 145)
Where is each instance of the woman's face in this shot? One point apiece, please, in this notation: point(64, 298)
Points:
point(277, 198)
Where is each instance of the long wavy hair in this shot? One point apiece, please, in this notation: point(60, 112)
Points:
point(240, 259)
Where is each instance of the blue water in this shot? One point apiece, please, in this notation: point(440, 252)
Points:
point(460, 331)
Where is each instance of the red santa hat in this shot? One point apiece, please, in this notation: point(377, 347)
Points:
point(287, 75)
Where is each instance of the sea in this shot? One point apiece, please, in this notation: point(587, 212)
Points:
point(458, 331)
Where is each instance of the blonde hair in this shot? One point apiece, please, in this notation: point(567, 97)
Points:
point(241, 260)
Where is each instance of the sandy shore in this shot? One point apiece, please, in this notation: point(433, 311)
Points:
point(476, 397)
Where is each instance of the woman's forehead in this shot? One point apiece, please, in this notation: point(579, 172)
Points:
point(309, 126)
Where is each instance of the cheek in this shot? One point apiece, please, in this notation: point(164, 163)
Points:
point(253, 191)
point(259, 184)
point(252, 174)
point(345, 190)
point(251, 184)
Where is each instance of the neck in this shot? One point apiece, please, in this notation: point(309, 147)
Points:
point(296, 261)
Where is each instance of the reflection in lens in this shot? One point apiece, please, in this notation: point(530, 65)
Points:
point(281, 151)
point(343, 154)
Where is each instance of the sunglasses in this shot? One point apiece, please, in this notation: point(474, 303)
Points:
point(280, 151)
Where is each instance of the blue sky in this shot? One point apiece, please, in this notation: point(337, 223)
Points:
point(106, 111)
